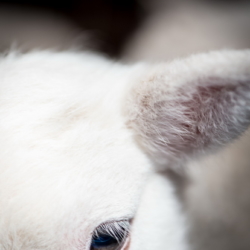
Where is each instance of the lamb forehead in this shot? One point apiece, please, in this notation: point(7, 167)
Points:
point(49, 145)
point(82, 155)
point(79, 184)
point(46, 86)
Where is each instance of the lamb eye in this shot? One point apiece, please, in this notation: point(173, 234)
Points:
point(104, 242)
point(110, 235)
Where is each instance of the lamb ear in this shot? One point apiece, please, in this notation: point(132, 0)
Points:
point(192, 105)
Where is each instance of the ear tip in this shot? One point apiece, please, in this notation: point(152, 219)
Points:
point(195, 104)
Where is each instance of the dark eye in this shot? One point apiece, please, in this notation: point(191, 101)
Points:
point(103, 242)
point(110, 235)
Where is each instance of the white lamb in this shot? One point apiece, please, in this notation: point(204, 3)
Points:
point(215, 193)
point(85, 143)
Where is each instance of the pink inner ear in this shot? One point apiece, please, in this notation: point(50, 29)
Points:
point(194, 119)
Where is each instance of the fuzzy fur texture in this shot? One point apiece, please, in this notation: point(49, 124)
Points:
point(69, 160)
point(186, 108)
point(215, 193)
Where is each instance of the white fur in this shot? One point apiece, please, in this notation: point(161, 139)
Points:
point(192, 105)
point(216, 197)
point(69, 160)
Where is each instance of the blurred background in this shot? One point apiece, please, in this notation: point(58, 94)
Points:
point(133, 29)
point(103, 25)
point(217, 195)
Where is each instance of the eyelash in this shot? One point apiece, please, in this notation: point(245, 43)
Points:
point(117, 229)
point(110, 235)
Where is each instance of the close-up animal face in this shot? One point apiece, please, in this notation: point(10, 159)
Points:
point(81, 137)
point(71, 175)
